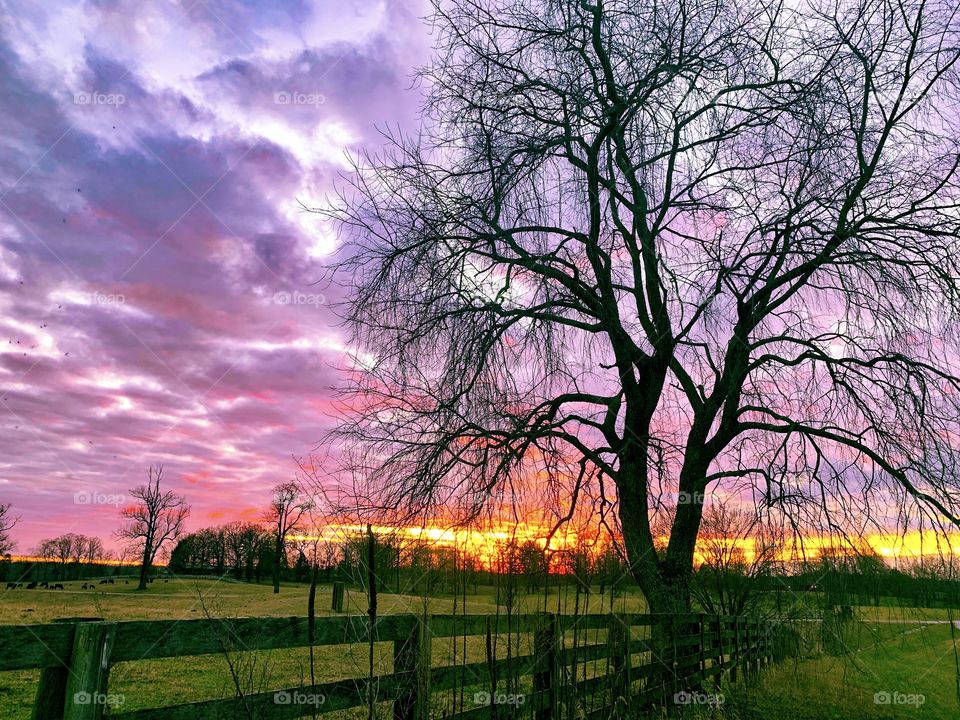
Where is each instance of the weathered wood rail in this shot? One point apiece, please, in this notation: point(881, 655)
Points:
point(75, 659)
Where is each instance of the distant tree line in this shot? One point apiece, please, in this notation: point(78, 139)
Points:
point(241, 549)
point(866, 580)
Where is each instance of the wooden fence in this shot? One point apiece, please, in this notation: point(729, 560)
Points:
point(562, 670)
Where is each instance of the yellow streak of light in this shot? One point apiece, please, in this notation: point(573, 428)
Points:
point(110, 562)
point(488, 544)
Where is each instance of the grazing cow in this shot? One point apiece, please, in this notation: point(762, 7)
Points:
point(32, 585)
point(11, 586)
point(83, 587)
point(58, 586)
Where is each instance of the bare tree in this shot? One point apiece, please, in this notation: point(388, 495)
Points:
point(284, 516)
point(242, 543)
point(153, 521)
point(59, 549)
point(7, 523)
point(668, 246)
point(93, 550)
point(73, 548)
point(81, 548)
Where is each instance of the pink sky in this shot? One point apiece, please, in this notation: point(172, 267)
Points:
point(157, 291)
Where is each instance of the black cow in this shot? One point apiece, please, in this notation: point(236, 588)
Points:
point(32, 585)
point(58, 586)
point(11, 586)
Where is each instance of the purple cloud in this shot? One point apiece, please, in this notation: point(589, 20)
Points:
point(158, 296)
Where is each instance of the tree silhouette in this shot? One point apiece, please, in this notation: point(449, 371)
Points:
point(7, 523)
point(155, 519)
point(660, 248)
point(283, 517)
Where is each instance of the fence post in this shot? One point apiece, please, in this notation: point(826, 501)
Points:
point(51, 691)
point(618, 643)
point(86, 686)
point(721, 660)
point(674, 683)
point(336, 603)
point(52, 688)
point(735, 656)
point(767, 650)
point(412, 658)
point(701, 622)
point(546, 674)
point(761, 648)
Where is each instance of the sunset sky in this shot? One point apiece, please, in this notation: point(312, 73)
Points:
point(157, 275)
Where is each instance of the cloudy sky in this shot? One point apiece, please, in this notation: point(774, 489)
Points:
point(158, 292)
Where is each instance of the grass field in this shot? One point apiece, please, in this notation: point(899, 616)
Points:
point(897, 662)
point(155, 683)
point(179, 598)
point(889, 650)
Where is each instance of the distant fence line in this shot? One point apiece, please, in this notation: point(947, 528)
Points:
point(75, 658)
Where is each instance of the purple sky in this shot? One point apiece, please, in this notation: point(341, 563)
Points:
point(156, 273)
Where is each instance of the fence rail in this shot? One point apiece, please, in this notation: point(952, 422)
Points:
point(677, 654)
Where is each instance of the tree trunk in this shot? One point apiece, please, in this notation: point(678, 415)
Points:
point(664, 577)
point(278, 553)
point(145, 565)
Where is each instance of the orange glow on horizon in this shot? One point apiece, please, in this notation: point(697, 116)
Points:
point(487, 545)
point(113, 562)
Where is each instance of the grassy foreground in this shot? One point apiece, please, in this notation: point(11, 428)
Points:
point(156, 683)
point(893, 672)
point(891, 653)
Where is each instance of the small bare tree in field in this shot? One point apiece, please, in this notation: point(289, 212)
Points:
point(7, 523)
point(284, 515)
point(661, 248)
point(155, 520)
